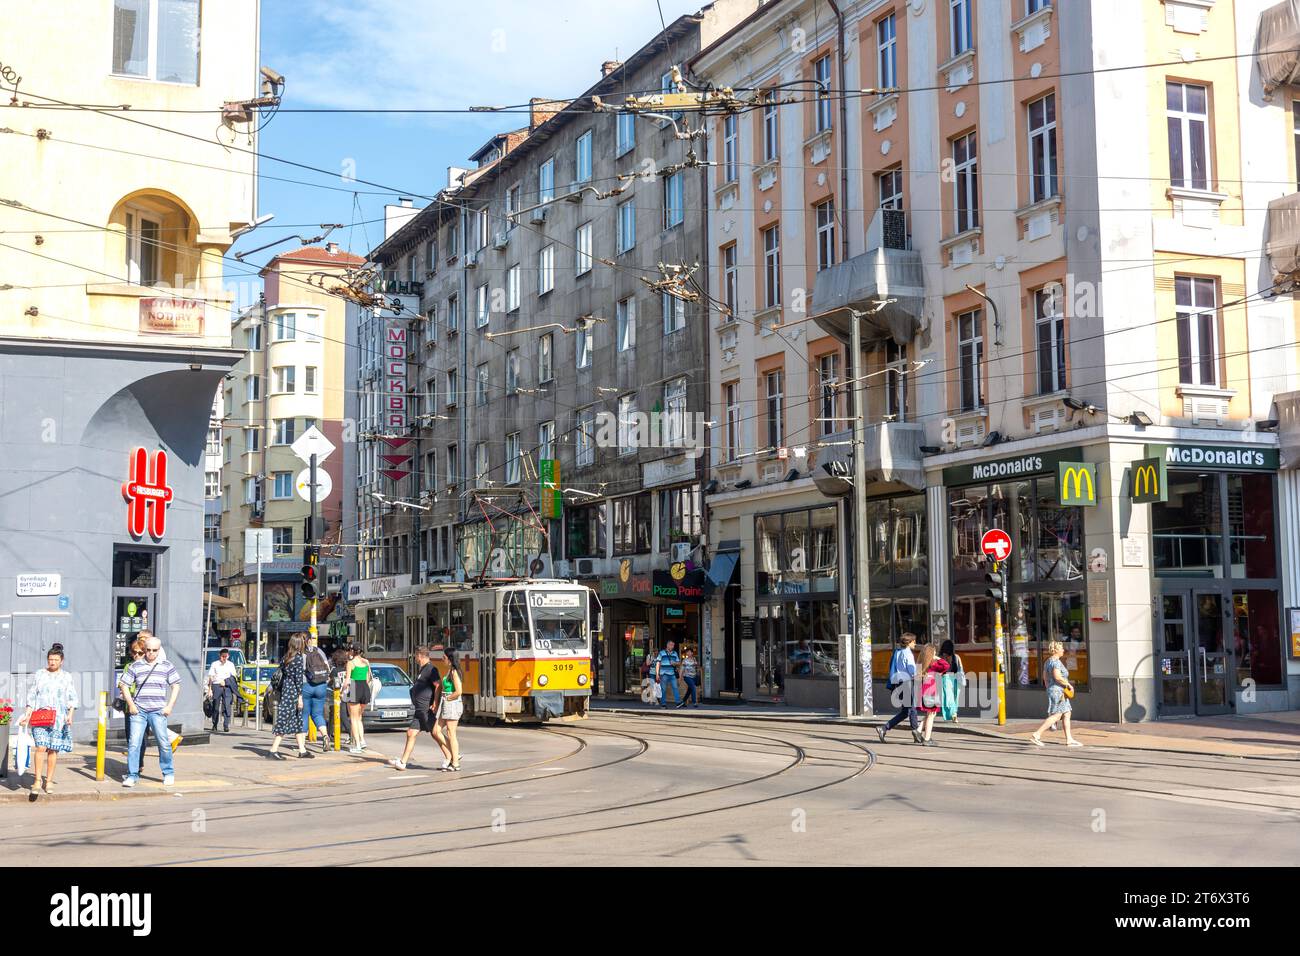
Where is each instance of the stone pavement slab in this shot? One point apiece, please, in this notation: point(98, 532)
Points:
point(1255, 736)
point(229, 761)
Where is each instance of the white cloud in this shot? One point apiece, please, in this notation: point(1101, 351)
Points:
point(435, 54)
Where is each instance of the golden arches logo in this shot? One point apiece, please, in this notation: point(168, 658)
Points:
point(1081, 475)
point(1146, 481)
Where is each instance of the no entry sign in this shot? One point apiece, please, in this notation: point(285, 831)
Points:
point(996, 543)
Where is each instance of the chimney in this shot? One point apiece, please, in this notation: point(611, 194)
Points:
point(408, 203)
point(332, 248)
point(609, 66)
point(540, 110)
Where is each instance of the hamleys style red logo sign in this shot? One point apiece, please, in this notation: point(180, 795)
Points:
point(147, 494)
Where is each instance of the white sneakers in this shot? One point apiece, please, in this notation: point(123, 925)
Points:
point(128, 782)
point(397, 763)
point(169, 780)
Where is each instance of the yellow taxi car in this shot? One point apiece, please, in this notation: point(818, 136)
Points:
point(248, 685)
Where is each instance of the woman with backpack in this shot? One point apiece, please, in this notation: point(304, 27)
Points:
point(930, 669)
point(953, 681)
point(315, 691)
point(359, 697)
point(288, 705)
point(450, 710)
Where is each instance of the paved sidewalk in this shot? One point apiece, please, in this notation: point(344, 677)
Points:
point(1258, 735)
point(233, 761)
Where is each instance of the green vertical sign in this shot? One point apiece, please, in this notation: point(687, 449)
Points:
point(1076, 483)
point(549, 493)
point(1148, 481)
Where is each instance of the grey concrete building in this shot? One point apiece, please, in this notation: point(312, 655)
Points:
point(544, 332)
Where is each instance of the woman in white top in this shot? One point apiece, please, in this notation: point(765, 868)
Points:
point(51, 703)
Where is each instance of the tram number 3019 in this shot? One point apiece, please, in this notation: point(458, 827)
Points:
point(562, 667)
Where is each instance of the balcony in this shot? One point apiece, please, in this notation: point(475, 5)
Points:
point(893, 451)
point(889, 273)
point(1277, 46)
point(1282, 240)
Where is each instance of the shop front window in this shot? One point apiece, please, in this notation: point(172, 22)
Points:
point(1257, 645)
point(896, 530)
point(812, 639)
point(1252, 553)
point(1187, 529)
point(797, 552)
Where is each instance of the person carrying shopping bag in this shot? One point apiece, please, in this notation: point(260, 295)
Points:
point(954, 681)
point(51, 703)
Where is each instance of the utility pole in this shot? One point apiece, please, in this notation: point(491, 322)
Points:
point(257, 693)
point(862, 604)
point(313, 548)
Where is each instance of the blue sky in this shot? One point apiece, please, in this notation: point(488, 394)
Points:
point(432, 54)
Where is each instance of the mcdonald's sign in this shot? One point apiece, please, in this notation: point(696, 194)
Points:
point(1148, 481)
point(1076, 483)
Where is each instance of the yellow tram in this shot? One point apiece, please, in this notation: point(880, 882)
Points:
point(524, 648)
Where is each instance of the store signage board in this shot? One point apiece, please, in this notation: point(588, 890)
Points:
point(1149, 480)
point(1076, 484)
point(550, 493)
point(1236, 458)
point(39, 585)
point(1004, 469)
point(171, 316)
point(312, 442)
point(1293, 614)
point(147, 494)
point(1134, 552)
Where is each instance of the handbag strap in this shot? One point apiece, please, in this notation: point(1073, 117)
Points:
point(134, 688)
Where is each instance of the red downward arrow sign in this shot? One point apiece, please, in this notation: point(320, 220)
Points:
point(395, 475)
point(396, 460)
point(395, 442)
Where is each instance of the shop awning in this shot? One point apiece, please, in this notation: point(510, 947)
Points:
point(723, 567)
point(216, 600)
point(1277, 45)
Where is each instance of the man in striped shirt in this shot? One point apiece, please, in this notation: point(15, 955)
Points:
point(150, 688)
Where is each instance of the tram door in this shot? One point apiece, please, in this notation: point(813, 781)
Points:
point(487, 643)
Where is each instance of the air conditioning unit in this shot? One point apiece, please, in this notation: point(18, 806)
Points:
point(561, 569)
point(681, 551)
point(537, 215)
point(586, 567)
point(501, 240)
point(542, 563)
point(471, 260)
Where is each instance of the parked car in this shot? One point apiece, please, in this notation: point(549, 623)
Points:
point(392, 705)
point(248, 685)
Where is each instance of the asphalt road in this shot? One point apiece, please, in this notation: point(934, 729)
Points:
point(655, 790)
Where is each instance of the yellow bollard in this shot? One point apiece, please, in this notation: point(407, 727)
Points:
point(101, 736)
point(311, 730)
point(338, 721)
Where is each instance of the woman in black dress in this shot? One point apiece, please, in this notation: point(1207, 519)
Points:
point(288, 706)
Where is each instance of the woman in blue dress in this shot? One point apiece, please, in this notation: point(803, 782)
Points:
point(1058, 704)
point(53, 689)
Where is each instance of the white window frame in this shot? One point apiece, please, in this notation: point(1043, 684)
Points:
point(546, 269)
point(966, 177)
point(286, 430)
point(730, 148)
point(731, 398)
point(482, 310)
point(771, 130)
point(772, 266)
point(730, 281)
point(889, 189)
point(823, 112)
point(627, 425)
point(453, 313)
point(1192, 360)
point(546, 441)
point(584, 438)
point(825, 217)
point(960, 26)
point(1042, 149)
point(887, 52)
point(625, 319)
point(250, 491)
point(284, 327)
point(452, 388)
point(546, 358)
point(514, 277)
point(482, 377)
point(1184, 179)
point(453, 464)
point(253, 388)
point(625, 133)
point(582, 158)
point(774, 407)
point(151, 59)
point(283, 380)
point(828, 381)
point(546, 181)
point(252, 440)
point(674, 200)
point(582, 245)
point(143, 256)
point(513, 459)
point(482, 228)
point(482, 465)
point(1049, 330)
point(970, 359)
point(282, 542)
point(626, 226)
point(512, 371)
point(674, 313)
point(281, 485)
point(583, 346)
point(673, 419)
point(897, 370)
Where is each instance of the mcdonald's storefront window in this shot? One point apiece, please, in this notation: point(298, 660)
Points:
point(1045, 576)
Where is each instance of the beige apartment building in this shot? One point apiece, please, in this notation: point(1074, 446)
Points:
point(289, 380)
point(114, 324)
point(1064, 254)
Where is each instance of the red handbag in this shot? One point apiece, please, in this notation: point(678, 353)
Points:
point(42, 718)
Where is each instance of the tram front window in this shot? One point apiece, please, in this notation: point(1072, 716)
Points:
point(559, 628)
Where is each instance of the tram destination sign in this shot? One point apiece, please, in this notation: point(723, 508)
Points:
point(1235, 457)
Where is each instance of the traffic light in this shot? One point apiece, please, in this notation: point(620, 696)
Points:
point(309, 576)
point(997, 586)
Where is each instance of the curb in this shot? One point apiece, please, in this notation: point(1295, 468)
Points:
point(945, 728)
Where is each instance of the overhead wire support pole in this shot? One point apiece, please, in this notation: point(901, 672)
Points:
point(861, 580)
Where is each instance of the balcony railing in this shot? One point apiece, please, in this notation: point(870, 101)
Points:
point(885, 284)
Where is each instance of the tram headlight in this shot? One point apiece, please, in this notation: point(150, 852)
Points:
point(542, 680)
point(582, 680)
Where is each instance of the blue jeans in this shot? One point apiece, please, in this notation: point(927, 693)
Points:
point(667, 682)
point(313, 706)
point(909, 690)
point(691, 694)
point(157, 723)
